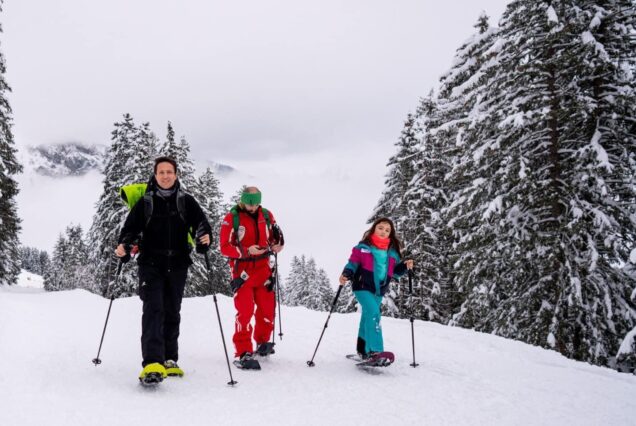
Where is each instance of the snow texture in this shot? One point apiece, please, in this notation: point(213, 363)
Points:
point(629, 343)
point(552, 16)
point(464, 377)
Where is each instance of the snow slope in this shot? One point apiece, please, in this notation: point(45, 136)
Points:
point(47, 342)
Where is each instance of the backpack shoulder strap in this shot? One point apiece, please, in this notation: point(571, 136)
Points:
point(148, 206)
point(266, 216)
point(235, 223)
point(181, 205)
point(235, 219)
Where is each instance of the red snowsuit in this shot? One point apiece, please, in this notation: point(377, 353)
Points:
point(253, 230)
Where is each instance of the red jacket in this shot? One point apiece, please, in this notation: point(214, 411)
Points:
point(251, 232)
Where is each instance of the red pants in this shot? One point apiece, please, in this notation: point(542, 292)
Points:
point(251, 293)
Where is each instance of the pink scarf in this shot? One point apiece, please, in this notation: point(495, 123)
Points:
point(381, 243)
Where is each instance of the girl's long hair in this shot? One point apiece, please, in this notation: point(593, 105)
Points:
point(395, 244)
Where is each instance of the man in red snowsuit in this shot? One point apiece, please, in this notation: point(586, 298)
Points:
point(249, 235)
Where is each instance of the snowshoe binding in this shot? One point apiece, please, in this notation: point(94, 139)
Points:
point(172, 369)
point(266, 349)
point(373, 359)
point(247, 362)
point(152, 374)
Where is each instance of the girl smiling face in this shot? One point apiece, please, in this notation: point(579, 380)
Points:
point(382, 230)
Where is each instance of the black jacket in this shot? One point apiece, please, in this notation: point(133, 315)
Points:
point(164, 238)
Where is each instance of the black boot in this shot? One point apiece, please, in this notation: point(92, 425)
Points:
point(247, 362)
point(265, 349)
point(361, 348)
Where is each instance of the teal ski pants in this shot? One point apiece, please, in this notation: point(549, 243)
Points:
point(370, 330)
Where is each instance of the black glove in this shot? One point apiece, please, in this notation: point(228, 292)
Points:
point(238, 282)
point(271, 282)
point(277, 235)
point(201, 231)
point(202, 248)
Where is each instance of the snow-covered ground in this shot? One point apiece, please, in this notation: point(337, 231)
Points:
point(47, 342)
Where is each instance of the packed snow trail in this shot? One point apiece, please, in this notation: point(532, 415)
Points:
point(47, 342)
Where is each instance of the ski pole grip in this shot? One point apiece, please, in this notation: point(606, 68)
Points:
point(410, 272)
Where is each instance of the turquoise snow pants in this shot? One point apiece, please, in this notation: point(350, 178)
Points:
point(370, 330)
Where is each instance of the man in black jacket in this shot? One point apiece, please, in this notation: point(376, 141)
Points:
point(164, 218)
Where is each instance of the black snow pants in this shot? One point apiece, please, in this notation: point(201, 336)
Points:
point(161, 291)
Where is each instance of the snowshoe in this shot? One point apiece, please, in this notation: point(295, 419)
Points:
point(265, 349)
point(247, 362)
point(378, 359)
point(152, 374)
point(373, 359)
point(172, 369)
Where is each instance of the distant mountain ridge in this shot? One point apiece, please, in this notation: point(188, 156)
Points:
point(77, 159)
point(67, 159)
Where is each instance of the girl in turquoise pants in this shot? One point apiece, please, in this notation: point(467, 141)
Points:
point(372, 265)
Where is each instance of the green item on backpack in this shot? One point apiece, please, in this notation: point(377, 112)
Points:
point(131, 194)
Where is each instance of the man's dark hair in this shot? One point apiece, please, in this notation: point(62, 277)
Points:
point(165, 160)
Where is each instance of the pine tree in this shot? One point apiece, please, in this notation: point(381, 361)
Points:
point(322, 295)
point(401, 169)
point(145, 150)
point(54, 279)
point(294, 281)
point(121, 168)
point(9, 167)
point(211, 201)
point(308, 286)
point(69, 268)
point(443, 174)
point(34, 260)
point(541, 222)
point(347, 302)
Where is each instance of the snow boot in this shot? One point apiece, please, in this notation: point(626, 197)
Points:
point(152, 374)
point(265, 349)
point(247, 362)
point(172, 369)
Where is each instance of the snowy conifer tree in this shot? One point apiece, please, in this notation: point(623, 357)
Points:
point(34, 260)
point(294, 281)
point(211, 201)
point(401, 169)
point(54, 277)
point(9, 167)
point(347, 302)
point(69, 267)
point(322, 295)
point(445, 119)
point(308, 286)
point(541, 222)
point(125, 164)
point(145, 150)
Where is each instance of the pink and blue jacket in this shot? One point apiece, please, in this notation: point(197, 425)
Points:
point(360, 269)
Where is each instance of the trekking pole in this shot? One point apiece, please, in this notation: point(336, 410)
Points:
point(333, 305)
point(414, 364)
point(96, 360)
point(232, 382)
point(280, 318)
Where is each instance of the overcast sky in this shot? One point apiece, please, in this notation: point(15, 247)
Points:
point(242, 80)
point(319, 89)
